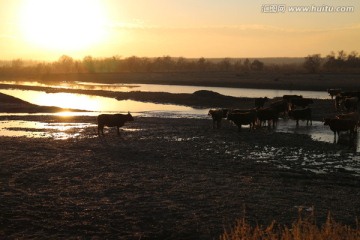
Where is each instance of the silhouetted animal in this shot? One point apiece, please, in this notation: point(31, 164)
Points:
point(333, 92)
point(260, 102)
point(248, 118)
point(355, 116)
point(301, 102)
point(301, 114)
point(112, 120)
point(217, 115)
point(289, 97)
point(338, 100)
point(341, 125)
point(268, 114)
point(350, 103)
point(240, 110)
point(281, 106)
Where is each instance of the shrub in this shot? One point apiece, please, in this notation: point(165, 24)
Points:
point(302, 228)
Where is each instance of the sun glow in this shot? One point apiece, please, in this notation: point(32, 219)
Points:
point(63, 24)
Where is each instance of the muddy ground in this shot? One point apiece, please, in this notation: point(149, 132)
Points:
point(169, 179)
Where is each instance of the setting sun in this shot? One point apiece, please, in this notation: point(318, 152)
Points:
point(63, 24)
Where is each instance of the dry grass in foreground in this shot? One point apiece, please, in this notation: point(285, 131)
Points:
point(301, 229)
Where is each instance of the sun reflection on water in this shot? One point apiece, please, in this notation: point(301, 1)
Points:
point(94, 103)
point(34, 129)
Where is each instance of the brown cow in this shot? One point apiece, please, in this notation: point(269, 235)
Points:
point(355, 116)
point(341, 125)
point(217, 115)
point(260, 102)
point(301, 102)
point(112, 120)
point(333, 92)
point(301, 114)
point(268, 114)
point(248, 118)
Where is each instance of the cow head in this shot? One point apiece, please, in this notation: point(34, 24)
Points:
point(129, 117)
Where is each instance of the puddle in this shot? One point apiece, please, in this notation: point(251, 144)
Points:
point(314, 161)
point(319, 132)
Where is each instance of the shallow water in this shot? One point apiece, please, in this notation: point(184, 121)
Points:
point(34, 129)
point(96, 103)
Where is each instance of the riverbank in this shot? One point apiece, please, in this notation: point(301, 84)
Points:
point(169, 179)
point(281, 81)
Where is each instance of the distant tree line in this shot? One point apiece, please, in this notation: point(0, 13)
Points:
point(341, 62)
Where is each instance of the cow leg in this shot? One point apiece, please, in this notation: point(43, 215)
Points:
point(239, 128)
point(334, 136)
point(118, 130)
point(100, 129)
point(297, 122)
point(219, 124)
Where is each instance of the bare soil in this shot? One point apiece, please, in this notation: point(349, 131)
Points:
point(167, 179)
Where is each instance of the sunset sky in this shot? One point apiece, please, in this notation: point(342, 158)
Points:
point(47, 29)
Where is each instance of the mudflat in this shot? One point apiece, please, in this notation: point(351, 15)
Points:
point(169, 179)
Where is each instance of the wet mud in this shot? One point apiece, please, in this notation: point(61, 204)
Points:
point(169, 178)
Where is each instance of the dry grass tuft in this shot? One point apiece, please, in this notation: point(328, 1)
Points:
point(302, 229)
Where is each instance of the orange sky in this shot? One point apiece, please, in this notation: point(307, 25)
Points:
point(47, 29)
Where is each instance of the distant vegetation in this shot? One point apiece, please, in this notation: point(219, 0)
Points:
point(338, 63)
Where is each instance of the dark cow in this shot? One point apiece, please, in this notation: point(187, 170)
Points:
point(355, 116)
point(338, 100)
point(341, 125)
point(240, 110)
point(350, 103)
point(268, 114)
point(289, 97)
point(217, 115)
point(350, 94)
point(248, 118)
point(260, 102)
point(112, 120)
point(301, 102)
point(333, 92)
point(301, 114)
point(281, 106)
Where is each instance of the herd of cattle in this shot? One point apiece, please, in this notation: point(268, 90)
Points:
point(295, 107)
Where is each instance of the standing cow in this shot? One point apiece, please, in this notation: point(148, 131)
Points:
point(247, 118)
point(341, 125)
point(113, 120)
point(301, 114)
point(260, 102)
point(217, 115)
